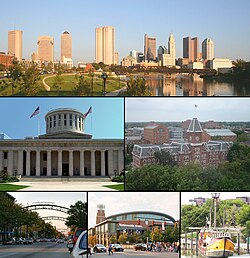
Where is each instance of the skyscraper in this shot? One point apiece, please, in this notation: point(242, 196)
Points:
point(170, 56)
point(149, 48)
point(191, 48)
point(45, 48)
point(208, 49)
point(105, 45)
point(15, 44)
point(66, 45)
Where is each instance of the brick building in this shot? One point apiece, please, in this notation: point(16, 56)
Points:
point(194, 149)
point(6, 60)
point(156, 133)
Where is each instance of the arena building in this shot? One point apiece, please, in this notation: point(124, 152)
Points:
point(127, 222)
point(64, 151)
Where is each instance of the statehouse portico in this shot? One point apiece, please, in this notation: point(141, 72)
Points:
point(64, 151)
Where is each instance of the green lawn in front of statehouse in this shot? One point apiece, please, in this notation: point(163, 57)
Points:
point(119, 187)
point(10, 187)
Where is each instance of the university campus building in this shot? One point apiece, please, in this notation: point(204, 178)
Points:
point(64, 151)
point(208, 147)
point(127, 222)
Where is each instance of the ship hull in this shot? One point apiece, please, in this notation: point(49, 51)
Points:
point(218, 248)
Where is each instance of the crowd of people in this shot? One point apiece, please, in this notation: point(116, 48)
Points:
point(163, 247)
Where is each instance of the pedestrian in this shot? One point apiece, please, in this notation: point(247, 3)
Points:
point(89, 250)
point(110, 249)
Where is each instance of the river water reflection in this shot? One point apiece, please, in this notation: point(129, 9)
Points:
point(189, 85)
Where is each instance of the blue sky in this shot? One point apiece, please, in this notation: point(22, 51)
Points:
point(226, 22)
point(107, 116)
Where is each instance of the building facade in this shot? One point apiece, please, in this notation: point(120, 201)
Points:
point(105, 45)
point(208, 49)
point(195, 148)
point(64, 151)
point(66, 45)
point(156, 133)
point(130, 222)
point(149, 48)
point(6, 60)
point(45, 49)
point(15, 44)
point(191, 48)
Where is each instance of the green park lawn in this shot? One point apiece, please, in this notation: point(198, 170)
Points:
point(119, 187)
point(10, 187)
point(67, 86)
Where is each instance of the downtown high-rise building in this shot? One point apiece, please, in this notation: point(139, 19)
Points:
point(169, 58)
point(191, 48)
point(149, 48)
point(45, 49)
point(15, 44)
point(208, 49)
point(66, 45)
point(105, 45)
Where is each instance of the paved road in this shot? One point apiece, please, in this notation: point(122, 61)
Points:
point(37, 250)
point(128, 253)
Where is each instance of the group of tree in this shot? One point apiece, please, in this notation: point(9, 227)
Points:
point(21, 221)
point(137, 86)
point(241, 69)
point(232, 174)
point(24, 79)
point(230, 213)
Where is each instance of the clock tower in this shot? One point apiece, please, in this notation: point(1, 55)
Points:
point(194, 132)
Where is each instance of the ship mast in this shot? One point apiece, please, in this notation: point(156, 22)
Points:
point(215, 196)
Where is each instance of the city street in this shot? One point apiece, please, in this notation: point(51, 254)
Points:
point(37, 250)
point(129, 253)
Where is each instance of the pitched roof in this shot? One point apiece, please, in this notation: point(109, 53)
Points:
point(194, 126)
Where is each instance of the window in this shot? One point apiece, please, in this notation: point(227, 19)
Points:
point(50, 122)
point(5, 155)
point(59, 120)
point(65, 119)
point(75, 121)
point(83, 242)
point(54, 121)
point(45, 156)
point(70, 120)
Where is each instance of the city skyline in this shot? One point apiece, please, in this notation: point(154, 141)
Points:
point(130, 32)
point(98, 123)
point(181, 109)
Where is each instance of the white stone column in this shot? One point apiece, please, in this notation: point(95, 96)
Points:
point(81, 163)
point(110, 163)
point(93, 163)
point(120, 161)
point(20, 162)
point(38, 163)
point(1, 160)
point(27, 163)
point(10, 163)
point(102, 162)
point(59, 165)
point(71, 165)
point(49, 163)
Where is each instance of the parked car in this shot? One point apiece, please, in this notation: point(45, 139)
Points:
point(117, 248)
point(81, 246)
point(99, 248)
point(141, 247)
point(28, 241)
point(9, 242)
point(60, 241)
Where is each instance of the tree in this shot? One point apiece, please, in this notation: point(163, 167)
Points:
point(238, 152)
point(30, 81)
point(83, 87)
point(137, 87)
point(77, 215)
point(92, 240)
point(156, 235)
point(57, 83)
point(133, 238)
point(123, 238)
point(113, 239)
point(146, 236)
point(165, 158)
point(15, 71)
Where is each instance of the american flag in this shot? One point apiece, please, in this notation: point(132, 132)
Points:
point(89, 112)
point(36, 112)
point(196, 106)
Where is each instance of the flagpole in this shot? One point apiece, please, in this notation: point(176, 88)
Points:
point(91, 121)
point(38, 124)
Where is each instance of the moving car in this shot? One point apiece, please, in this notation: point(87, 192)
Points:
point(117, 248)
point(81, 246)
point(77, 234)
point(141, 247)
point(99, 248)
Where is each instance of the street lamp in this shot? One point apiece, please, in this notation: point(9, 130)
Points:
point(104, 77)
point(215, 196)
point(92, 85)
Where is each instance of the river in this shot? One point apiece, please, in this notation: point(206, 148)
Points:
point(193, 85)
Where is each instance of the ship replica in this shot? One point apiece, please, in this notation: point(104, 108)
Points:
point(213, 241)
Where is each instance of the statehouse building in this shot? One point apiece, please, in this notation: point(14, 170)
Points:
point(64, 151)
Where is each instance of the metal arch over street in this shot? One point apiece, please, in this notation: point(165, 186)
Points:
point(54, 218)
point(44, 206)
